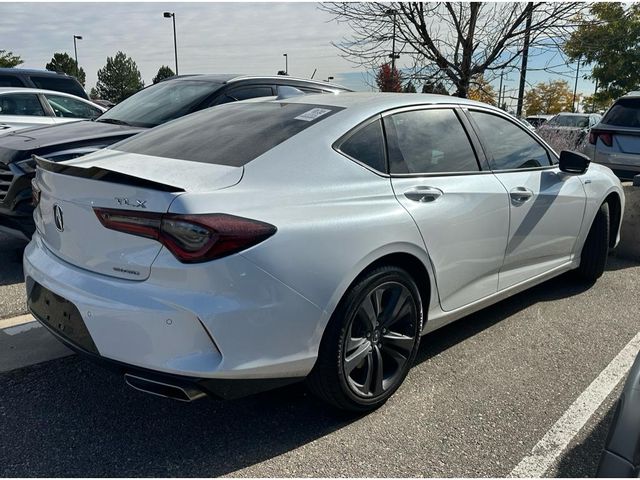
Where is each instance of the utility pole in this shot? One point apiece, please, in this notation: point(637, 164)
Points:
point(393, 55)
point(593, 105)
point(500, 90)
point(575, 86)
point(525, 57)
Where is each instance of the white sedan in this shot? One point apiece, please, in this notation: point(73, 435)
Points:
point(316, 237)
point(32, 107)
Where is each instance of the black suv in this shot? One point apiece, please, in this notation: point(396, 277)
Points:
point(152, 106)
point(44, 79)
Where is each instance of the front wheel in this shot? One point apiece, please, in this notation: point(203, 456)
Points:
point(371, 341)
point(593, 258)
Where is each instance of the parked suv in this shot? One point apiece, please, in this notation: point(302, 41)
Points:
point(615, 141)
point(45, 79)
point(152, 106)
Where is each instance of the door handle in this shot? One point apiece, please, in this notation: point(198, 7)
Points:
point(423, 194)
point(520, 195)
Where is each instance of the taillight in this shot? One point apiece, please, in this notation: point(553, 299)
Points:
point(606, 137)
point(190, 238)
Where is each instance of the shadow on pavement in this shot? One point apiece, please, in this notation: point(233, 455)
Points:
point(11, 250)
point(582, 460)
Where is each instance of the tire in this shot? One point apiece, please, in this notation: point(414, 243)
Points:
point(370, 342)
point(595, 251)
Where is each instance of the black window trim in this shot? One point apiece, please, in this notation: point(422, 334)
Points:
point(550, 152)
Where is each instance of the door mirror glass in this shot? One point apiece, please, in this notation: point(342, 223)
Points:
point(573, 162)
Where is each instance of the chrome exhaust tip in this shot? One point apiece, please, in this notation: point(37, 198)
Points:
point(161, 389)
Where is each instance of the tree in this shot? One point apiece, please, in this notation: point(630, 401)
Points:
point(9, 60)
point(163, 72)
point(409, 87)
point(594, 104)
point(452, 42)
point(62, 62)
point(388, 80)
point(93, 94)
point(482, 91)
point(610, 42)
point(119, 78)
point(548, 98)
point(437, 88)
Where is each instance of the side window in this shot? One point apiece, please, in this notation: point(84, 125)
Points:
point(367, 146)
point(510, 147)
point(71, 108)
point(428, 141)
point(21, 104)
point(245, 93)
point(10, 81)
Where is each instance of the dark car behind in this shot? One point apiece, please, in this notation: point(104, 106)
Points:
point(43, 79)
point(167, 100)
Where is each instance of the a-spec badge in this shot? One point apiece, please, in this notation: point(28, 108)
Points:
point(135, 203)
point(58, 218)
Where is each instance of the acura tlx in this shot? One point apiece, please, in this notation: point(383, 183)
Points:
point(316, 237)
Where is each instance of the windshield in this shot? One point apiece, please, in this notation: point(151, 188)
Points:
point(625, 113)
point(579, 121)
point(160, 103)
point(231, 134)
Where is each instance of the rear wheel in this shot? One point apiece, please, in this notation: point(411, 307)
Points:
point(371, 341)
point(593, 258)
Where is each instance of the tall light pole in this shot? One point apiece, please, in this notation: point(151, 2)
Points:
point(393, 55)
point(286, 63)
point(175, 40)
point(75, 50)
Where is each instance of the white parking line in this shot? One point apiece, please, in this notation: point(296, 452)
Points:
point(12, 322)
point(21, 328)
point(549, 448)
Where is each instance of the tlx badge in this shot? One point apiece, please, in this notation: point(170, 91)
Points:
point(131, 202)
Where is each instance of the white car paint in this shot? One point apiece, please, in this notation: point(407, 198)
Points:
point(11, 122)
point(262, 312)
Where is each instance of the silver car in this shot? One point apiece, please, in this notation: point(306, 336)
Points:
point(32, 107)
point(315, 237)
point(568, 131)
point(615, 141)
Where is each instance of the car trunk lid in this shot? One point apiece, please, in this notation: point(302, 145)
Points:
point(69, 192)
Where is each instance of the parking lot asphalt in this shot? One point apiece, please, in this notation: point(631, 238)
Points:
point(12, 300)
point(483, 392)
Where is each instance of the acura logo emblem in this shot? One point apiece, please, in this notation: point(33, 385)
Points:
point(57, 217)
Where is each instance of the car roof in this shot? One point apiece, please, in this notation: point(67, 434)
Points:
point(32, 71)
point(572, 114)
point(235, 77)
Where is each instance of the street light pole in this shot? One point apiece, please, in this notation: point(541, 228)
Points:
point(75, 50)
point(286, 63)
point(175, 39)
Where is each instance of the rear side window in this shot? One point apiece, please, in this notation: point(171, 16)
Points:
point(245, 93)
point(428, 141)
point(231, 135)
point(510, 147)
point(71, 107)
point(10, 81)
point(624, 113)
point(21, 104)
point(367, 146)
point(59, 84)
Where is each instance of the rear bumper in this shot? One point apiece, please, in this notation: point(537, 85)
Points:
point(236, 322)
point(618, 162)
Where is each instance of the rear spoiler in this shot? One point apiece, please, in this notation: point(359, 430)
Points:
point(102, 174)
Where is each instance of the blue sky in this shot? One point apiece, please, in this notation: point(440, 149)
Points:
point(212, 38)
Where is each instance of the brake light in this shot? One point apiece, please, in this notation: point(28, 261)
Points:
point(606, 137)
point(190, 238)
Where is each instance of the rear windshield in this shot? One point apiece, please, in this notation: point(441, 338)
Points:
point(569, 121)
point(624, 113)
point(59, 84)
point(232, 134)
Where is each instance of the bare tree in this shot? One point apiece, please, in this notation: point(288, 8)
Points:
point(452, 42)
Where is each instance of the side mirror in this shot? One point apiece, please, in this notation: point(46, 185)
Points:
point(573, 162)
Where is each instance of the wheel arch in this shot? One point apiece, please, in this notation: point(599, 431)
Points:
point(615, 214)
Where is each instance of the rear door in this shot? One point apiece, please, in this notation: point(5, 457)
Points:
point(546, 205)
point(22, 110)
point(462, 211)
